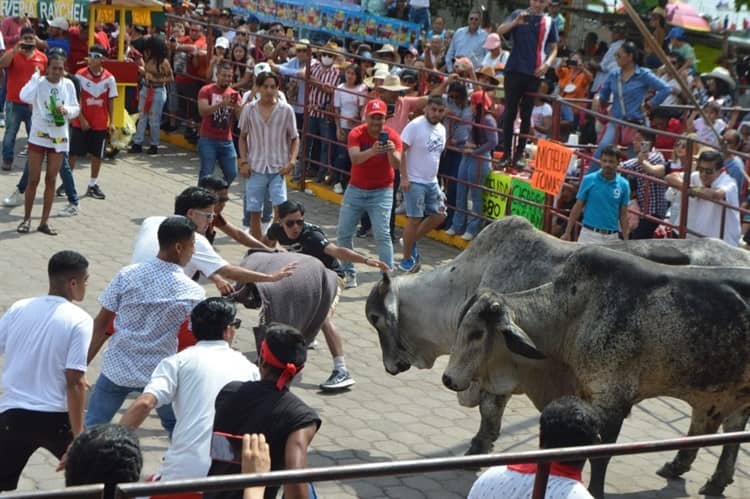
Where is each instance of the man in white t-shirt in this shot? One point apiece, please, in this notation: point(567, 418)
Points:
point(197, 204)
point(424, 142)
point(710, 183)
point(565, 422)
point(190, 380)
point(44, 341)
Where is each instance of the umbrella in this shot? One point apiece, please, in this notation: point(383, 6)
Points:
point(683, 15)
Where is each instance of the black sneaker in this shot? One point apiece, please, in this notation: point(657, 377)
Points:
point(337, 380)
point(60, 192)
point(363, 232)
point(94, 191)
point(135, 148)
point(153, 150)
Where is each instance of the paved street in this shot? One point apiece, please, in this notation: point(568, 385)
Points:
point(382, 417)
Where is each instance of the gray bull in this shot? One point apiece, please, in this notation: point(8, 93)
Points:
point(618, 329)
point(509, 255)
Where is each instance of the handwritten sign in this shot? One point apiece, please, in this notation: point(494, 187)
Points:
point(552, 162)
point(523, 190)
point(495, 204)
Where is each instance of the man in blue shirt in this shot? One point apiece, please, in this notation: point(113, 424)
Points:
point(534, 37)
point(603, 199)
point(467, 42)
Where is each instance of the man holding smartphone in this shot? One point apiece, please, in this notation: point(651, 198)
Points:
point(375, 152)
point(21, 62)
point(218, 105)
point(534, 36)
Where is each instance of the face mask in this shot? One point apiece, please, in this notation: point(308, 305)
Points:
point(326, 60)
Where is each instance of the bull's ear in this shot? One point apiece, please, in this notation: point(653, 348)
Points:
point(389, 292)
point(519, 342)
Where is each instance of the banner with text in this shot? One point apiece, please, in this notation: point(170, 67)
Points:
point(343, 20)
point(552, 160)
point(495, 204)
point(72, 10)
point(521, 189)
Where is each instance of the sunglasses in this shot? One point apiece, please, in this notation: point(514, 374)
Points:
point(236, 323)
point(292, 223)
point(473, 19)
point(208, 214)
point(707, 171)
point(94, 55)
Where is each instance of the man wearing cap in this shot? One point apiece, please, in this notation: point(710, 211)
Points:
point(57, 35)
point(269, 407)
point(677, 43)
point(375, 152)
point(468, 41)
point(324, 77)
point(496, 57)
point(534, 37)
point(218, 105)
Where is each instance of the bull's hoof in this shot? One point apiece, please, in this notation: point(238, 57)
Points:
point(478, 447)
point(672, 470)
point(714, 487)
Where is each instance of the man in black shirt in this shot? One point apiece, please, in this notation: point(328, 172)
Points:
point(268, 407)
point(294, 234)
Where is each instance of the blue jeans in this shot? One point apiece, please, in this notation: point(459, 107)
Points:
point(320, 127)
point(377, 204)
point(153, 119)
point(566, 114)
point(15, 114)
point(107, 398)
point(65, 174)
point(608, 138)
point(421, 16)
point(210, 150)
point(470, 170)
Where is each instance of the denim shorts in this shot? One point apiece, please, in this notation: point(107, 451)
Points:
point(256, 187)
point(423, 200)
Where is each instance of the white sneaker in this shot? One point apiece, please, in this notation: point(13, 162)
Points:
point(468, 236)
point(338, 188)
point(15, 199)
point(69, 211)
point(24, 153)
point(2, 123)
point(450, 232)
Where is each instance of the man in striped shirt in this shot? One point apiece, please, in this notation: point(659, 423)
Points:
point(269, 145)
point(324, 77)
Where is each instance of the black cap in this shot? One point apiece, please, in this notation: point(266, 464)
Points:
point(139, 29)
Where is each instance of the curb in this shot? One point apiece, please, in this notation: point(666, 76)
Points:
point(325, 193)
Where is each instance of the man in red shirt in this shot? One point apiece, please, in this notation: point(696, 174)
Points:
point(78, 36)
point(89, 134)
point(21, 63)
point(188, 84)
point(375, 151)
point(218, 104)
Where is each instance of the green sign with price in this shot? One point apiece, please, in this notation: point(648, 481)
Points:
point(522, 189)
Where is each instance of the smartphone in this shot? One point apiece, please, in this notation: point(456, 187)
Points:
point(226, 447)
point(645, 146)
point(383, 138)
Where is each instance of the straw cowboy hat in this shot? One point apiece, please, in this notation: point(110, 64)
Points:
point(393, 83)
point(722, 74)
point(330, 48)
point(489, 72)
point(380, 74)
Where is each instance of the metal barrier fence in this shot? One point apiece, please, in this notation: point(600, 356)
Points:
point(335, 147)
point(348, 472)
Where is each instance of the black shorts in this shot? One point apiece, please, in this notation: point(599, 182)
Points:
point(22, 432)
point(88, 142)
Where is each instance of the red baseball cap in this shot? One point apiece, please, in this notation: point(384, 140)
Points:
point(375, 106)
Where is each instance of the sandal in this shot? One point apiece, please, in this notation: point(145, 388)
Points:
point(24, 227)
point(46, 229)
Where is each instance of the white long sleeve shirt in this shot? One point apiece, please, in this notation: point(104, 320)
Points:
point(44, 132)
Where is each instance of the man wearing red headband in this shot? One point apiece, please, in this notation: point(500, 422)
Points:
point(268, 407)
